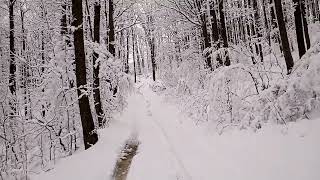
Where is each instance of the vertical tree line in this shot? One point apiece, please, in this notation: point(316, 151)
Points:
point(62, 74)
point(90, 137)
point(227, 23)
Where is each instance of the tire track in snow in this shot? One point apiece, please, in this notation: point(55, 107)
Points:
point(157, 124)
point(172, 150)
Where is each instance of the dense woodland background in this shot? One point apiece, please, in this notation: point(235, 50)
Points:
point(66, 67)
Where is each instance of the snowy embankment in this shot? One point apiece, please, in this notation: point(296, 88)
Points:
point(98, 162)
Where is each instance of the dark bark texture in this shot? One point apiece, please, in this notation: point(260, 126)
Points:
point(224, 32)
point(96, 67)
point(284, 37)
point(111, 32)
point(89, 135)
point(299, 28)
point(12, 78)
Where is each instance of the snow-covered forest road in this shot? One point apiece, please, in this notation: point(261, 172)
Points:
point(160, 90)
point(172, 147)
point(169, 149)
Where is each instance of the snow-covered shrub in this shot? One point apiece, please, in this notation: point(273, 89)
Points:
point(191, 69)
point(115, 87)
point(230, 89)
point(157, 86)
point(295, 97)
point(235, 98)
point(169, 78)
point(189, 90)
point(246, 96)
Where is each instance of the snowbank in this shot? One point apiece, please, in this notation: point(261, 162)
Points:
point(96, 163)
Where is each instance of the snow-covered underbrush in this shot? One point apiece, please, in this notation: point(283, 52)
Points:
point(157, 86)
point(115, 85)
point(245, 96)
point(115, 88)
point(295, 97)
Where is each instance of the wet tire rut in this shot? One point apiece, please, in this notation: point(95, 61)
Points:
point(124, 161)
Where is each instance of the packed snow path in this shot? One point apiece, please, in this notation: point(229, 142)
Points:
point(168, 151)
point(172, 148)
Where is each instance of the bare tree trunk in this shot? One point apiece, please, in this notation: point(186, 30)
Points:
point(284, 37)
point(138, 56)
point(177, 47)
point(299, 28)
point(214, 23)
point(107, 24)
point(257, 28)
point(266, 22)
point(305, 24)
point(111, 29)
point(151, 41)
point(142, 58)
point(89, 19)
point(96, 66)
point(12, 78)
point(134, 56)
point(215, 30)
point(126, 68)
point(206, 39)
point(317, 10)
point(224, 33)
point(64, 20)
point(25, 67)
point(274, 23)
point(89, 135)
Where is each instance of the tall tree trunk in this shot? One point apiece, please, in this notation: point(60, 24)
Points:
point(142, 57)
point(126, 68)
point(153, 58)
point(257, 28)
point(107, 23)
point(12, 78)
point(224, 32)
point(214, 24)
point(43, 61)
point(299, 28)
point(42, 73)
point(25, 67)
point(274, 23)
point(206, 40)
point(64, 24)
point(151, 42)
point(96, 66)
point(138, 56)
point(215, 30)
point(134, 56)
point(89, 135)
point(120, 49)
point(317, 10)
point(111, 29)
point(266, 24)
point(284, 37)
point(305, 24)
point(177, 46)
point(64, 19)
point(89, 19)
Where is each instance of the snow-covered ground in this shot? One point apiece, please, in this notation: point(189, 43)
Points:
point(97, 162)
point(173, 148)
